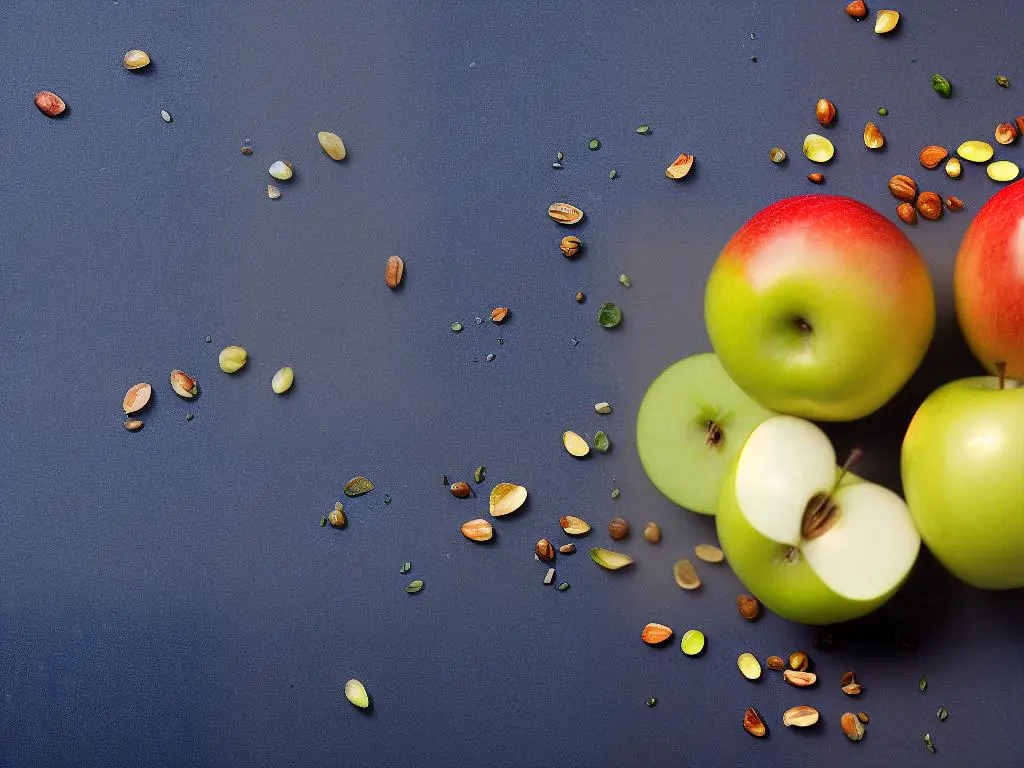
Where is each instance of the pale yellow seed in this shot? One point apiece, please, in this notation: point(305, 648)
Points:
point(232, 359)
point(749, 666)
point(136, 59)
point(575, 445)
point(1002, 170)
point(975, 151)
point(281, 170)
point(273, 192)
point(506, 498)
point(818, 149)
point(282, 380)
point(953, 168)
point(603, 408)
point(332, 144)
point(709, 553)
point(886, 21)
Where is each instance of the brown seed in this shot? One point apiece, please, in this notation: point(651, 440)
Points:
point(498, 315)
point(394, 271)
point(460, 490)
point(932, 155)
point(863, 717)
point(618, 528)
point(563, 213)
point(753, 724)
point(545, 551)
point(903, 188)
point(652, 533)
point(137, 397)
point(873, 136)
point(574, 526)
point(570, 246)
point(816, 178)
point(857, 9)
point(183, 384)
point(847, 678)
point(775, 663)
point(929, 205)
point(825, 111)
point(1020, 123)
point(567, 549)
point(337, 516)
point(654, 634)
point(852, 689)
point(49, 103)
point(852, 726)
point(1006, 133)
point(477, 530)
point(906, 213)
point(801, 716)
point(954, 203)
point(133, 425)
point(686, 575)
point(748, 606)
point(799, 661)
point(800, 679)
point(580, 297)
point(679, 167)
point(953, 168)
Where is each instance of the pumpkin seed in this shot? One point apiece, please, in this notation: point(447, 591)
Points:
point(357, 486)
point(574, 444)
point(686, 575)
point(749, 666)
point(1002, 170)
point(818, 149)
point(355, 692)
point(975, 151)
point(709, 553)
point(332, 144)
point(692, 643)
point(282, 380)
point(414, 586)
point(506, 498)
point(613, 561)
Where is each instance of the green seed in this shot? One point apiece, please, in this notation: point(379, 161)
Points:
point(414, 586)
point(232, 359)
point(942, 714)
point(922, 684)
point(693, 642)
point(478, 474)
point(883, 111)
point(593, 145)
point(563, 586)
point(941, 86)
point(355, 692)
point(601, 442)
point(406, 567)
point(616, 493)
point(609, 315)
point(928, 743)
point(624, 279)
point(1002, 81)
point(651, 701)
point(282, 380)
point(456, 327)
point(323, 521)
point(612, 173)
point(643, 130)
point(357, 486)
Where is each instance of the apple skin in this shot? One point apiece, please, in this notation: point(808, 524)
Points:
point(963, 478)
point(856, 280)
point(988, 282)
point(791, 590)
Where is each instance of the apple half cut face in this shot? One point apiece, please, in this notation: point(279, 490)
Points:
point(691, 425)
point(814, 543)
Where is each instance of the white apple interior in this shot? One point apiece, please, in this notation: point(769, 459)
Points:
point(873, 542)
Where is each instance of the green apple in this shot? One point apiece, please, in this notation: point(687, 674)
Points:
point(691, 425)
point(820, 307)
point(814, 544)
point(963, 475)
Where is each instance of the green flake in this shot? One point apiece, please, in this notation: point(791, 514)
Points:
point(357, 486)
point(609, 315)
point(414, 586)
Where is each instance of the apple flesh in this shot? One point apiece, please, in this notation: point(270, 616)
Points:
point(692, 422)
point(812, 542)
point(963, 476)
point(820, 307)
point(989, 282)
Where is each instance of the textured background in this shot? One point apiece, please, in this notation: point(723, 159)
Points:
point(168, 597)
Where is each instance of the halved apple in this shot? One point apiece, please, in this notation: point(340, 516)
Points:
point(692, 423)
point(815, 544)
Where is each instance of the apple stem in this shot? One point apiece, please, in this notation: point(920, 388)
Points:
point(855, 455)
point(822, 512)
point(1001, 369)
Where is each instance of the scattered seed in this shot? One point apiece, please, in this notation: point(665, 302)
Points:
point(954, 203)
point(183, 385)
point(477, 530)
point(563, 586)
point(498, 315)
point(166, 116)
point(932, 155)
point(1002, 81)
point(273, 192)
point(355, 692)
point(323, 521)
point(609, 315)
point(857, 9)
point(852, 726)
point(566, 214)
point(593, 145)
point(332, 144)
point(616, 493)
point(414, 586)
point(618, 528)
point(692, 642)
point(357, 486)
point(873, 137)
point(549, 576)
point(928, 743)
point(394, 271)
point(777, 155)
point(136, 59)
point(603, 408)
point(49, 103)
point(624, 279)
point(680, 167)
point(753, 724)
point(506, 498)
point(825, 112)
point(574, 526)
point(1002, 170)
point(574, 341)
point(478, 474)
point(456, 327)
point(775, 663)
point(232, 359)
point(336, 517)
point(942, 714)
point(686, 575)
point(567, 549)
point(801, 717)
point(886, 21)
point(570, 246)
point(655, 634)
point(574, 444)
point(816, 178)
point(941, 86)
point(975, 151)
point(817, 148)
point(613, 561)
point(133, 425)
point(282, 380)
point(137, 397)
point(559, 156)
point(460, 490)
point(748, 606)
point(406, 567)
point(709, 553)
point(557, 166)
point(883, 111)
point(907, 213)
point(922, 685)
point(601, 442)
point(863, 717)
point(246, 148)
point(852, 689)
point(799, 679)
point(643, 130)
point(544, 550)
point(749, 666)
point(612, 174)
point(652, 532)
point(799, 661)
point(651, 701)
point(1006, 133)
point(903, 188)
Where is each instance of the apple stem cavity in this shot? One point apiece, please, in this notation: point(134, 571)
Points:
point(1001, 369)
point(802, 325)
point(822, 512)
point(713, 435)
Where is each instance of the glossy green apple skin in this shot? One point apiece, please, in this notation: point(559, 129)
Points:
point(963, 478)
point(852, 276)
point(790, 589)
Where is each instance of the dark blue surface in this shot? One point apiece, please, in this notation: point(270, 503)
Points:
point(168, 597)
